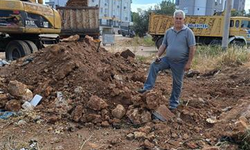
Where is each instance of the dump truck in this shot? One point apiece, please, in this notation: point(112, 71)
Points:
point(207, 29)
point(81, 20)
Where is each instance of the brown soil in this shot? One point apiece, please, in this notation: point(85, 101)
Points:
point(94, 83)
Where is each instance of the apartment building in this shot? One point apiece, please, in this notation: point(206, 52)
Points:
point(207, 7)
point(200, 7)
point(239, 5)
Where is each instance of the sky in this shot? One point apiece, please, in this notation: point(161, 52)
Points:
point(145, 4)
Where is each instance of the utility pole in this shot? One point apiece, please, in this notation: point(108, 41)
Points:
point(226, 24)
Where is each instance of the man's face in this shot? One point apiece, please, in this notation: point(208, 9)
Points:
point(178, 21)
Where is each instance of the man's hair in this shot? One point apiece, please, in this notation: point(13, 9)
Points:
point(179, 12)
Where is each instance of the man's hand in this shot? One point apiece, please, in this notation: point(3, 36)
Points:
point(187, 66)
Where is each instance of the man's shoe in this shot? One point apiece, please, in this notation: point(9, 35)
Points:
point(142, 91)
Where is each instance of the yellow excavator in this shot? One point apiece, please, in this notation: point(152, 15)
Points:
point(26, 26)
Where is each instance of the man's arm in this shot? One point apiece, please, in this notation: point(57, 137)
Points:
point(160, 51)
point(190, 57)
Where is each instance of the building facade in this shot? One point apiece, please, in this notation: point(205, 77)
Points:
point(207, 7)
point(239, 5)
point(200, 7)
point(113, 13)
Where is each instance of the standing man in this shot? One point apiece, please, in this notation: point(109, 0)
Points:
point(179, 43)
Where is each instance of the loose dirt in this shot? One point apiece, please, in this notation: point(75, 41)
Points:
point(90, 101)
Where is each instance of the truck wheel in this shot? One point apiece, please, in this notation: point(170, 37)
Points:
point(239, 43)
point(32, 46)
point(16, 49)
point(159, 42)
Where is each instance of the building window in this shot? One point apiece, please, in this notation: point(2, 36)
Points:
point(231, 23)
point(118, 6)
point(93, 1)
point(124, 7)
point(237, 23)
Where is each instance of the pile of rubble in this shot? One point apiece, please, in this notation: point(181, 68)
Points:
point(81, 84)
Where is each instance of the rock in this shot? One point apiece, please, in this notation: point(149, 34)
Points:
point(130, 136)
point(16, 88)
point(94, 118)
point(174, 143)
point(78, 90)
point(138, 117)
point(105, 112)
point(145, 117)
point(27, 96)
point(105, 124)
point(191, 145)
point(53, 119)
point(13, 105)
point(21, 122)
point(96, 103)
point(3, 97)
point(54, 140)
point(163, 113)
point(174, 135)
point(185, 136)
point(3, 100)
point(145, 129)
point(93, 145)
point(139, 135)
point(148, 145)
point(152, 100)
point(119, 111)
point(127, 53)
point(134, 116)
point(211, 148)
point(118, 77)
point(241, 126)
point(77, 113)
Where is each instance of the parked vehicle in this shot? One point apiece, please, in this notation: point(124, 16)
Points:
point(207, 29)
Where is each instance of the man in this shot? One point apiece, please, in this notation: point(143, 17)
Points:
point(179, 43)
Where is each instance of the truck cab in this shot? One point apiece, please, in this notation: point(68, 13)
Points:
point(240, 27)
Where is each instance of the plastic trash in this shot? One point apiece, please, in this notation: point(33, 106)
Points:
point(27, 106)
point(3, 62)
point(6, 114)
point(36, 100)
point(59, 96)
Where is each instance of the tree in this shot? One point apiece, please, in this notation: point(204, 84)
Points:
point(141, 18)
point(238, 13)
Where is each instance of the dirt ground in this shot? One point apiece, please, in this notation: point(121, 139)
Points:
point(100, 107)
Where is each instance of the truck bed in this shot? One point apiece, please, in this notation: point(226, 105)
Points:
point(79, 20)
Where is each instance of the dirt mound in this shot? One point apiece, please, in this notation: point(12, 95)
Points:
point(91, 83)
point(79, 84)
